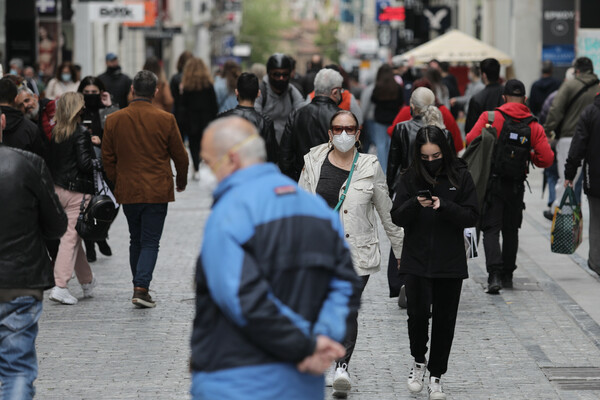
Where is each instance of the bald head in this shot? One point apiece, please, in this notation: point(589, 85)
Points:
point(232, 139)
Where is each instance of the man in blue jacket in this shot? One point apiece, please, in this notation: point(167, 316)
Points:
point(274, 281)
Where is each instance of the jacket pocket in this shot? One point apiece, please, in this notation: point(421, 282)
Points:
point(365, 250)
point(362, 192)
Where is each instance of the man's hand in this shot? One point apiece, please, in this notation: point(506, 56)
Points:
point(326, 351)
point(398, 263)
point(96, 140)
point(568, 183)
point(105, 98)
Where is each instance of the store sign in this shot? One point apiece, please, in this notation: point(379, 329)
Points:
point(115, 12)
point(558, 32)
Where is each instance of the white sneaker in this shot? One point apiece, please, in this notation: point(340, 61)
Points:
point(416, 377)
point(88, 288)
point(435, 389)
point(62, 295)
point(196, 176)
point(341, 382)
point(329, 375)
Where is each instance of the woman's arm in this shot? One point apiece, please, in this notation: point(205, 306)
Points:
point(464, 211)
point(406, 207)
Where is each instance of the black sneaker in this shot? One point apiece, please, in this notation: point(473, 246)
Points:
point(142, 299)
point(495, 284)
point(104, 248)
point(548, 215)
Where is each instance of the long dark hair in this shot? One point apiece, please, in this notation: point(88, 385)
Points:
point(386, 87)
point(91, 80)
point(434, 135)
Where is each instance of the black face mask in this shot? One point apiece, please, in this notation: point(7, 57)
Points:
point(92, 101)
point(112, 70)
point(279, 85)
point(433, 166)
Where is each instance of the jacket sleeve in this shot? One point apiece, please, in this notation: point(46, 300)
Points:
point(383, 205)
point(109, 156)
point(542, 156)
point(53, 220)
point(286, 148)
point(579, 143)
point(557, 108)
point(394, 157)
point(245, 296)
point(178, 154)
point(464, 211)
point(477, 127)
point(472, 115)
point(453, 128)
point(406, 207)
point(86, 157)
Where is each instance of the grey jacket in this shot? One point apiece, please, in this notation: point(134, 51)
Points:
point(562, 103)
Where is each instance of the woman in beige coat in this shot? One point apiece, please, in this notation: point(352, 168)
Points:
point(327, 172)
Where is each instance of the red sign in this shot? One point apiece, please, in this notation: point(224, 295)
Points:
point(392, 14)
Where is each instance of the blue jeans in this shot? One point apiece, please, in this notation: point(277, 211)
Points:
point(382, 141)
point(146, 222)
point(18, 359)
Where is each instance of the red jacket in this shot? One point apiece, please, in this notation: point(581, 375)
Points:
point(542, 155)
point(449, 121)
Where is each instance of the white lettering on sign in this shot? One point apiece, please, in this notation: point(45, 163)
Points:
point(549, 15)
point(117, 12)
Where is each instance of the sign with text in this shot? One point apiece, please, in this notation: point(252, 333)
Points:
point(116, 12)
point(558, 32)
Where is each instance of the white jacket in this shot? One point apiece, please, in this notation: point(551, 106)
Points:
point(368, 192)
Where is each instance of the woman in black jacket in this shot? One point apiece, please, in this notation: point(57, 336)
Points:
point(199, 103)
point(435, 200)
point(72, 163)
point(98, 105)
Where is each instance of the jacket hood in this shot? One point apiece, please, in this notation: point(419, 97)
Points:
point(587, 77)
point(515, 110)
point(597, 100)
point(14, 118)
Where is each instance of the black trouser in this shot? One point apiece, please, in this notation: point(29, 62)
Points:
point(503, 213)
point(352, 329)
point(437, 298)
point(194, 142)
point(395, 278)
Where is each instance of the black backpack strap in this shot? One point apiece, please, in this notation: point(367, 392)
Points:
point(263, 93)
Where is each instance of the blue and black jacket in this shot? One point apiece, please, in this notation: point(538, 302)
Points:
point(274, 272)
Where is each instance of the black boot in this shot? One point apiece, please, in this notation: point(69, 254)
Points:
point(104, 248)
point(90, 251)
point(494, 283)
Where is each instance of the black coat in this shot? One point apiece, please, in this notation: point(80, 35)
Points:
point(433, 239)
point(20, 132)
point(200, 108)
point(30, 213)
point(263, 123)
point(118, 85)
point(306, 128)
point(487, 99)
point(72, 162)
point(586, 146)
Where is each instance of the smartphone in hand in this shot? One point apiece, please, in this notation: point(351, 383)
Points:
point(424, 193)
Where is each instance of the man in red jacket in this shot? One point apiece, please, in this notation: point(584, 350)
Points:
point(503, 207)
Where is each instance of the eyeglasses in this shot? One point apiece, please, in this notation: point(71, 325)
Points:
point(280, 74)
point(337, 129)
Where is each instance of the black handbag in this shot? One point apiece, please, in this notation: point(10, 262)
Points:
point(95, 219)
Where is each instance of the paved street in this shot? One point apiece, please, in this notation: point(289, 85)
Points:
point(538, 341)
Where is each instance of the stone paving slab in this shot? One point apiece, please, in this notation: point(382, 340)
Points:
point(105, 348)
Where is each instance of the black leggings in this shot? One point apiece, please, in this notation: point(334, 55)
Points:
point(437, 298)
point(194, 142)
point(352, 330)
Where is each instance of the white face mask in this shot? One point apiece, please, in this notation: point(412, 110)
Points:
point(208, 179)
point(344, 142)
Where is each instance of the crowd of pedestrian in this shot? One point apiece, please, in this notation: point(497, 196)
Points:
point(299, 193)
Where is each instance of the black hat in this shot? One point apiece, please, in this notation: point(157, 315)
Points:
point(514, 87)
